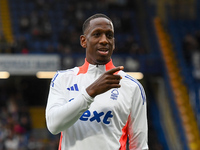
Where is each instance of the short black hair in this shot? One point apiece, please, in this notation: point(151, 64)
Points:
point(87, 21)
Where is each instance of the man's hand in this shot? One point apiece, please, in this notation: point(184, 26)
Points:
point(105, 82)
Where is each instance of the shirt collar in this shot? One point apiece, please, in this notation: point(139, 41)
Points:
point(87, 66)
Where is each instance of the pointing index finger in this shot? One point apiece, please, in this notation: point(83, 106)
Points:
point(112, 71)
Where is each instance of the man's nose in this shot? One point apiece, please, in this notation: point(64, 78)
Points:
point(103, 39)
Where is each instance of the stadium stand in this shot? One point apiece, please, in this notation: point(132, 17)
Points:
point(180, 45)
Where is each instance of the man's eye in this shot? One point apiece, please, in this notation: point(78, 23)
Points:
point(96, 34)
point(110, 36)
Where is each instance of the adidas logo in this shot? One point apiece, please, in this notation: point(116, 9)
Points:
point(73, 88)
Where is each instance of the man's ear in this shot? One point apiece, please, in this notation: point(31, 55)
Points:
point(83, 41)
point(114, 44)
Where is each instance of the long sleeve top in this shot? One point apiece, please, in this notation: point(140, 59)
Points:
point(100, 123)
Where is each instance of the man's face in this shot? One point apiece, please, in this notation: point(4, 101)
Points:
point(99, 41)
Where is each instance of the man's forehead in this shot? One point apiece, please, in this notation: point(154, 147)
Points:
point(101, 20)
point(98, 22)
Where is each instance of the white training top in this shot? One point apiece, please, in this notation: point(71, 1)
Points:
point(100, 123)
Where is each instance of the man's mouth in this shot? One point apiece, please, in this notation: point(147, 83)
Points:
point(103, 51)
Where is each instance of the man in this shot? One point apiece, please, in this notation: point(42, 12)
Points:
point(97, 106)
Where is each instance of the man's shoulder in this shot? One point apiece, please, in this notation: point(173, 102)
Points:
point(133, 84)
point(72, 71)
point(60, 74)
point(129, 79)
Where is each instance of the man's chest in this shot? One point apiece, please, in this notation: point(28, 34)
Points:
point(112, 105)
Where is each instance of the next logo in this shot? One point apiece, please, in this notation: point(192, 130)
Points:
point(97, 116)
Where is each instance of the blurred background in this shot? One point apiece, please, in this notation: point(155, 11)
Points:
point(158, 38)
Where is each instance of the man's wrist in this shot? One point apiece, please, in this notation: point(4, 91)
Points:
point(90, 92)
point(88, 98)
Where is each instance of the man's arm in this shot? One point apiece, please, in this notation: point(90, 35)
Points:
point(60, 113)
point(138, 129)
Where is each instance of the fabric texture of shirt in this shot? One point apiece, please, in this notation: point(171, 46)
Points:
point(100, 123)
